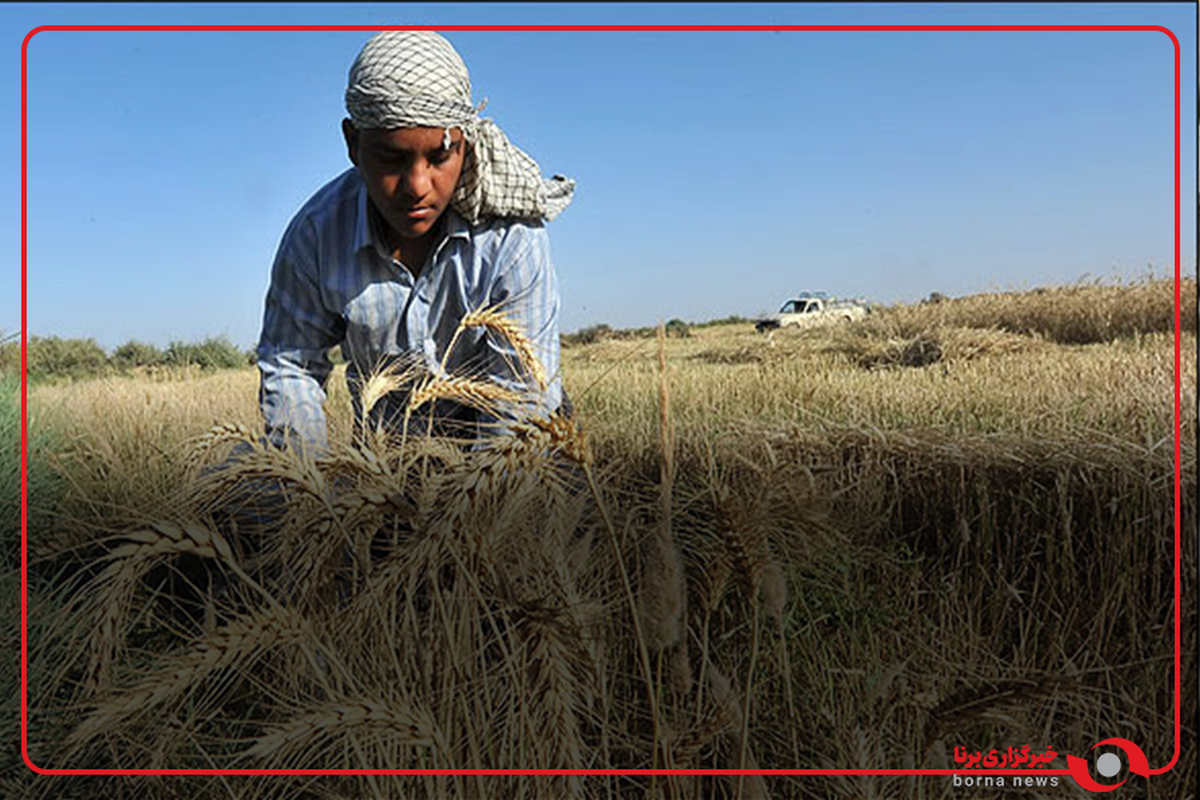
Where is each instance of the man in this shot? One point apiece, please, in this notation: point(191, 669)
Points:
point(440, 215)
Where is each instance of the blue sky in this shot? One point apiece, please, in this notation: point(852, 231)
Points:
point(717, 171)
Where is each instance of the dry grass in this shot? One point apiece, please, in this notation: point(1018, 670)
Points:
point(1082, 313)
point(829, 549)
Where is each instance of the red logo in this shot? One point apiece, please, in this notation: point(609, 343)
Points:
point(1134, 756)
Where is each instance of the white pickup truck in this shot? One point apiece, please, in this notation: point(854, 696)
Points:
point(811, 310)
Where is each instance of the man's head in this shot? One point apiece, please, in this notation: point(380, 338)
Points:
point(409, 173)
point(409, 93)
point(405, 79)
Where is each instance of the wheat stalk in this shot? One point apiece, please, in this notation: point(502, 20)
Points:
point(163, 538)
point(404, 725)
point(751, 786)
point(391, 377)
point(219, 434)
point(293, 466)
point(494, 320)
point(558, 676)
point(484, 395)
point(540, 439)
point(244, 638)
point(360, 459)
point(664, 599)
point(112, 589)
point(774, 596)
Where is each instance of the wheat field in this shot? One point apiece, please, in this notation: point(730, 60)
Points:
point(863, 546)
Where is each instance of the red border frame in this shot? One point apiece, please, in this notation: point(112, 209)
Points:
point(372, 28)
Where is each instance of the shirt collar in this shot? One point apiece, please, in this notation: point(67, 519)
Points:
point(365, 234)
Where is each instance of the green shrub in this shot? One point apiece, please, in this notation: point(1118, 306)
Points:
point(588, 335)
point(50, 356)
point(137, 354)
point(53, 357)
point(677, 329)
point(10, 354)
point(42, 481)
point(732, 319)
point(212, 353)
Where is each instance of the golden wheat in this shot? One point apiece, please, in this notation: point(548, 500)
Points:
point(494, 320)
point(394, 376)
point(239, 640)
point(112, 589)
point(301, 734)
point(906, 532)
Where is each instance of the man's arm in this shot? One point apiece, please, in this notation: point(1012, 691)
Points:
point(526, 291)
point(293, 350)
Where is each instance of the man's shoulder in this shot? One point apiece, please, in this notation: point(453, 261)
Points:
point(334, 206)
point(337, 198)
point(499, 236)
point(506, 226)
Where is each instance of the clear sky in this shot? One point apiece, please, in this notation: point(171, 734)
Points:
point(717, 172)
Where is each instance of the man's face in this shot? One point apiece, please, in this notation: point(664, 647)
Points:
point(408, 174)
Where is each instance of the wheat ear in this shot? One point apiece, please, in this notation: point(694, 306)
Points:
point(484, 395)
point(494, 320)
point(409, 726)
point(220, 649)
point(218, 435)
point(142, 550)
point(383, 381)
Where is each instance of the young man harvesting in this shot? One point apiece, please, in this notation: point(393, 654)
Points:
point(439, 216)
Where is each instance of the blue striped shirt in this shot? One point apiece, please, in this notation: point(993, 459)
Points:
point(333, 282)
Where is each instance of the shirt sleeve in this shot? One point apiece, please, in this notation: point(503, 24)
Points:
point(526, 291)
point(293, 350)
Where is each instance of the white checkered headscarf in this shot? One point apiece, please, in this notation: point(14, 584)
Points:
point(409, 79)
